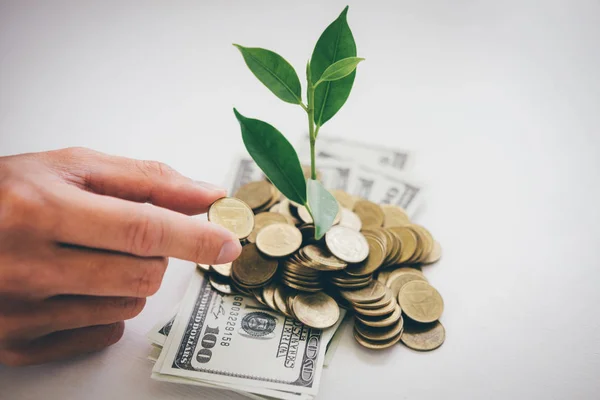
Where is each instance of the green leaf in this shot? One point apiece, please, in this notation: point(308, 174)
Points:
point(323, 207)
point(336, 43)
point(275, 156)
point(340, 69)
point(274, 72)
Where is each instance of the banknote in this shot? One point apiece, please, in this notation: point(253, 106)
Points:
point(159, 332)
point(386, 159)
point(229, 340)
point(354, 178)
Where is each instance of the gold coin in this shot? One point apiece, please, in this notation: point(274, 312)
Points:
point(346, 244)
point(376, 345)
point(232, 214)
point(268, 294)
point(256, 194)
point(396, 251)
point(265, 219)
point(289, 298)
point(383, 275)
point(408, 240)
point(274, 200)
point(302, 282)
point(349, 219)
point(428, 241)
point(252, 268)
point(258, 296)
point(247, 288)
point(219, 284)
point(302, 288)
point(424, 337)
point(380, 322)
point(316, 310)
point(369, 213)
point(345, 200)
point(399, 281)
point(284, 209)
point(435, 255)
point(373, 261)
point(404, 269)
point(377, 312)
point(324, 259)
point(384, 302)
point(304, 215)
point(352, 286)
point(307, 218)
point(296, 269)
point(350, 279)
point(420, 301)
point(279, 240)
point(203, 267)
point(308, 278)
point(379, 334)
point(421, 243)
point(394, 273)
point(394, 216)
point(239, 289)
point(370, 294)
point(222, 269)
point(280, 297)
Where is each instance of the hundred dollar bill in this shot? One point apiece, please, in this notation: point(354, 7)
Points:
point(386, 159)
point(159, 332)
point(222, 339)
point(353, 178)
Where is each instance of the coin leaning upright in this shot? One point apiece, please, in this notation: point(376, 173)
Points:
point(232, 214)
point(420, 301)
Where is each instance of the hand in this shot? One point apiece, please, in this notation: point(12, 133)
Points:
point(79, 252)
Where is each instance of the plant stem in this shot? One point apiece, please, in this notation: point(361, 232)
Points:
point(311, 129)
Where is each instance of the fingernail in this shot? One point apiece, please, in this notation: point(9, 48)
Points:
point(229, 252)
point(209, 186)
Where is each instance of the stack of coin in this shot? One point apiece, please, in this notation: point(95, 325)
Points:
point(259, 195)
point(344, 281)
point(296, 275)
point(423, 306)
point(378, 317)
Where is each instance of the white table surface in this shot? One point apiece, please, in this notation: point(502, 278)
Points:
point(500, 100)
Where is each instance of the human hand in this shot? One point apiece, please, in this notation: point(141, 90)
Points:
point(79, 253)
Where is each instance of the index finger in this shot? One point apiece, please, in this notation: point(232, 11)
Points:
point(103, 222)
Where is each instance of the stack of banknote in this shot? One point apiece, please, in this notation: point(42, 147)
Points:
point(235, 343)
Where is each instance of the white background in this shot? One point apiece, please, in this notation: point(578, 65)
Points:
point(500, 99)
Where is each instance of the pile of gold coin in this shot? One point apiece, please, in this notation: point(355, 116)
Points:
point(368, 262)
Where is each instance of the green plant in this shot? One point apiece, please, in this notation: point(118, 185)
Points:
point(330, 74)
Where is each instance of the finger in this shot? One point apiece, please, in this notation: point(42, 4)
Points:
point(27, 322)
point(54, 270)
point(62, 345)
point(102, 222)
point(140, 181)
